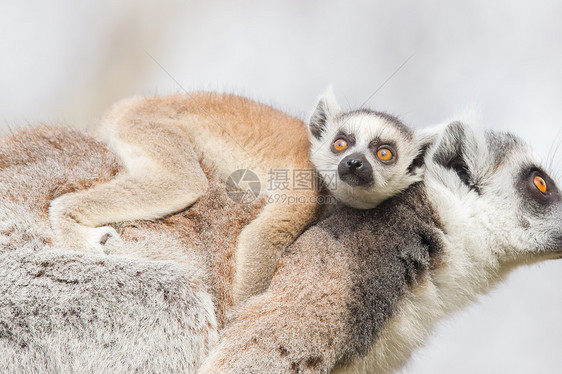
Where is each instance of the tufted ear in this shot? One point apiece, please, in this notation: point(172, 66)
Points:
point(458, 149)
point(325, 111)
point(423, 139)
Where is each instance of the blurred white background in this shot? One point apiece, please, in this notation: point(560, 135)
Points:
point(66, 62)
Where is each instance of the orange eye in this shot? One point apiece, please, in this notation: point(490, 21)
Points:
point(384, 154)
point(340, 145)
point(540, 184)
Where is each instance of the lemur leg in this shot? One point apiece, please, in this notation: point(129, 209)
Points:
point(299, 324)
point(262, 242)
point(162, 176)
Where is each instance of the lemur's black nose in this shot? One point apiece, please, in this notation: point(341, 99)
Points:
point(354, 163)
point(355, 170)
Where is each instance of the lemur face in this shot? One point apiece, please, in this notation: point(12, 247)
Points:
point(494, 184)
point(363, 156)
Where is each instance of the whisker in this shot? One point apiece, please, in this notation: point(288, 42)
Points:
point(387, 79)
point(348, 103)
point(553, 150)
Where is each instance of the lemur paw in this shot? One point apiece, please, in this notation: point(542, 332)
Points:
point(88, 239)
point(101, 238)
point(71, 229)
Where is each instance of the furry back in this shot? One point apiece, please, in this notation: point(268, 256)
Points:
point(64, 311)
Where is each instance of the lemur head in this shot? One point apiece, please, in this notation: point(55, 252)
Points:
point(492, 184)
point(363, 156)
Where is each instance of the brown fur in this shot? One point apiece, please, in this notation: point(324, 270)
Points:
point(353, 269)
point(81, 162)
point(42, 163)
point(164, 141)
point(207, 230)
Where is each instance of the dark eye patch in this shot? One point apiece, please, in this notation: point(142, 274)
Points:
point(532, 196)
point(350, 139)
point(377, 142)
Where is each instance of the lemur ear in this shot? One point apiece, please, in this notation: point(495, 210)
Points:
point(456, 141)
point(423, 139)
point(458, 148)
point(325, 111)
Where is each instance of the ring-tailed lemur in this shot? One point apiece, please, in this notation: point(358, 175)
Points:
point(364, 156)
point(359, 291)
point(163, 141)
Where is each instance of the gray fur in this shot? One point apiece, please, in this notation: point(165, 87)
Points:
point(501, 144)
point(68, 312)
point(389, 249)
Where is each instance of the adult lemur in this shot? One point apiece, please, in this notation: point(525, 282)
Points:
point(165, 141)
point(359, 291)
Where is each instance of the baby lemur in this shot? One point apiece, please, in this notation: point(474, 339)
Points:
point(363, 156)
point(164, 142)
